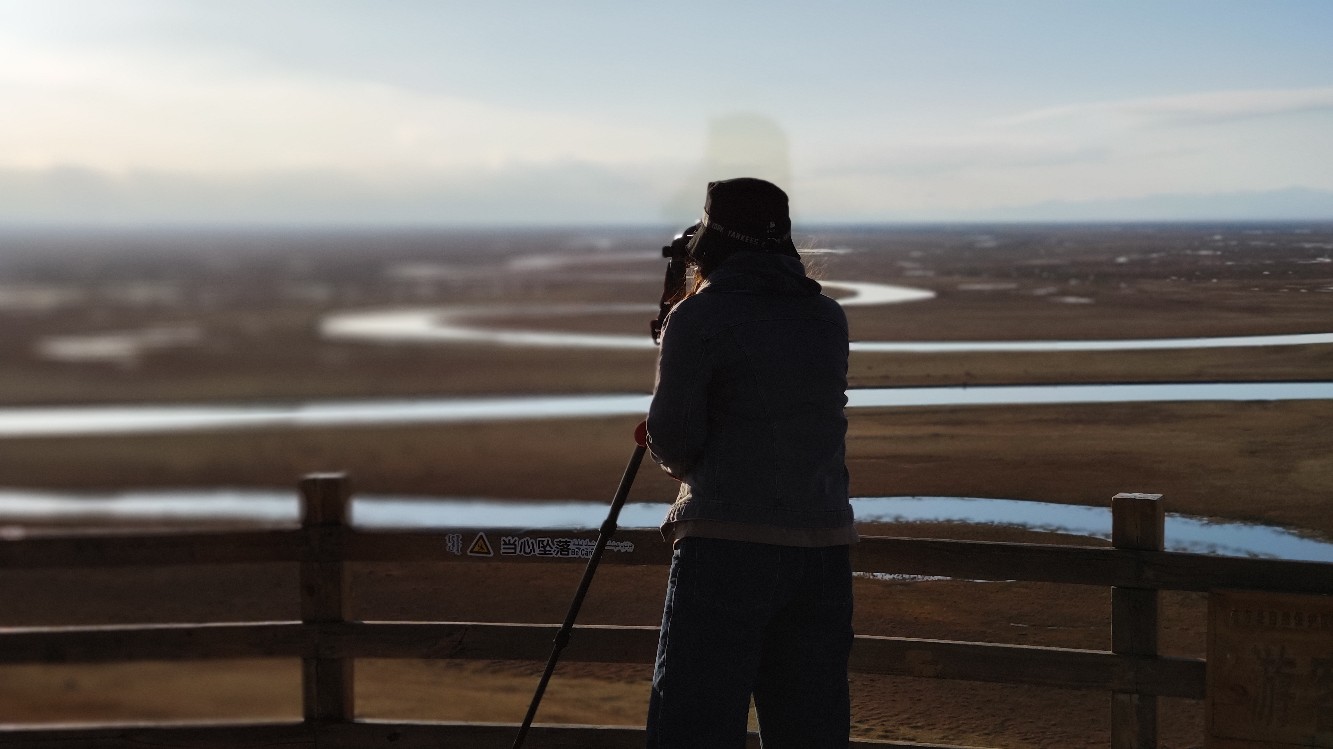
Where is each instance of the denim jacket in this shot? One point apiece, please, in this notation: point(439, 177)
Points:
point(747, 410)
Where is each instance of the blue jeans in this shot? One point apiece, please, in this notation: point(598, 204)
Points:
point(745, 619)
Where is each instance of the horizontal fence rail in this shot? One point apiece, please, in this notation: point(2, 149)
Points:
point(893, 656)
point(964, 560)
point(328, 644)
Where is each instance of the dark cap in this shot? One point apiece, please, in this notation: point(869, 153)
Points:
point(743, 214)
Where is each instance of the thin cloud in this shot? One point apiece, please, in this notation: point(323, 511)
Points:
point(1197, 108)
point(942, 156)
point(203, 114)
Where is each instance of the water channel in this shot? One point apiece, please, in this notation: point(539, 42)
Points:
point(1183, 533)
point(452, 324)
point(75, 421)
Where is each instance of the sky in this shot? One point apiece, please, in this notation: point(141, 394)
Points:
point(582, 112)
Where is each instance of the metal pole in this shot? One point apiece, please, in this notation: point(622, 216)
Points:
point(607, 530)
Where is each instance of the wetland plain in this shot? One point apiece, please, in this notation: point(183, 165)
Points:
point(219, 318)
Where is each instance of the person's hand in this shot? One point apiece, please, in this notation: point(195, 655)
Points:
point(641, 434)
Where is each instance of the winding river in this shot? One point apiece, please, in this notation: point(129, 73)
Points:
point(1183, 532)
point(453, 324)
point(75, 421)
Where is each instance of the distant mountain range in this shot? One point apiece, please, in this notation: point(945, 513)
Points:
point(1292, 204)
point(536, 196)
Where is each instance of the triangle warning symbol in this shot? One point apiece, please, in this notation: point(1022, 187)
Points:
point(480, 547)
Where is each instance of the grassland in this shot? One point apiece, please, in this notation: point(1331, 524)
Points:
point(256, 302)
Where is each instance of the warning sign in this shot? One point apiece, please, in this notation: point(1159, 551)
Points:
point(480, 547)
point(557, 548)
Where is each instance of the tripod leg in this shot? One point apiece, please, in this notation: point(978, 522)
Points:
point(607, 530)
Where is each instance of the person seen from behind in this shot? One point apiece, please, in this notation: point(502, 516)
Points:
point(748, 414)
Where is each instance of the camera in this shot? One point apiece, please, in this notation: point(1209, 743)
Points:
point(673, 286)
point(679, 248)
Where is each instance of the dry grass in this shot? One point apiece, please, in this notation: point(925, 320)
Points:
point(1256, 461)
point(1265, 462)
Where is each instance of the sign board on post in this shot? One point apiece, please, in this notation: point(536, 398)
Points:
point(1270, 671)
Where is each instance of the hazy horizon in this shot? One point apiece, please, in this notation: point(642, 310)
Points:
point(590, 236)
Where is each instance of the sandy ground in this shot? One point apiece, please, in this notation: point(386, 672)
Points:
point(1255, 461)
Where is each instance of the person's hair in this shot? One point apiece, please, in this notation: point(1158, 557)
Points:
point(700, 268)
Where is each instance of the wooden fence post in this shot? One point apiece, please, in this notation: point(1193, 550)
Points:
point(326, 682)
point(1137, 522)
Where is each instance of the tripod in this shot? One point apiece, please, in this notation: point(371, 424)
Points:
point(607, 530)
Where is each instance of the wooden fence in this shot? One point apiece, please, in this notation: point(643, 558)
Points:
point(1131, 672)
